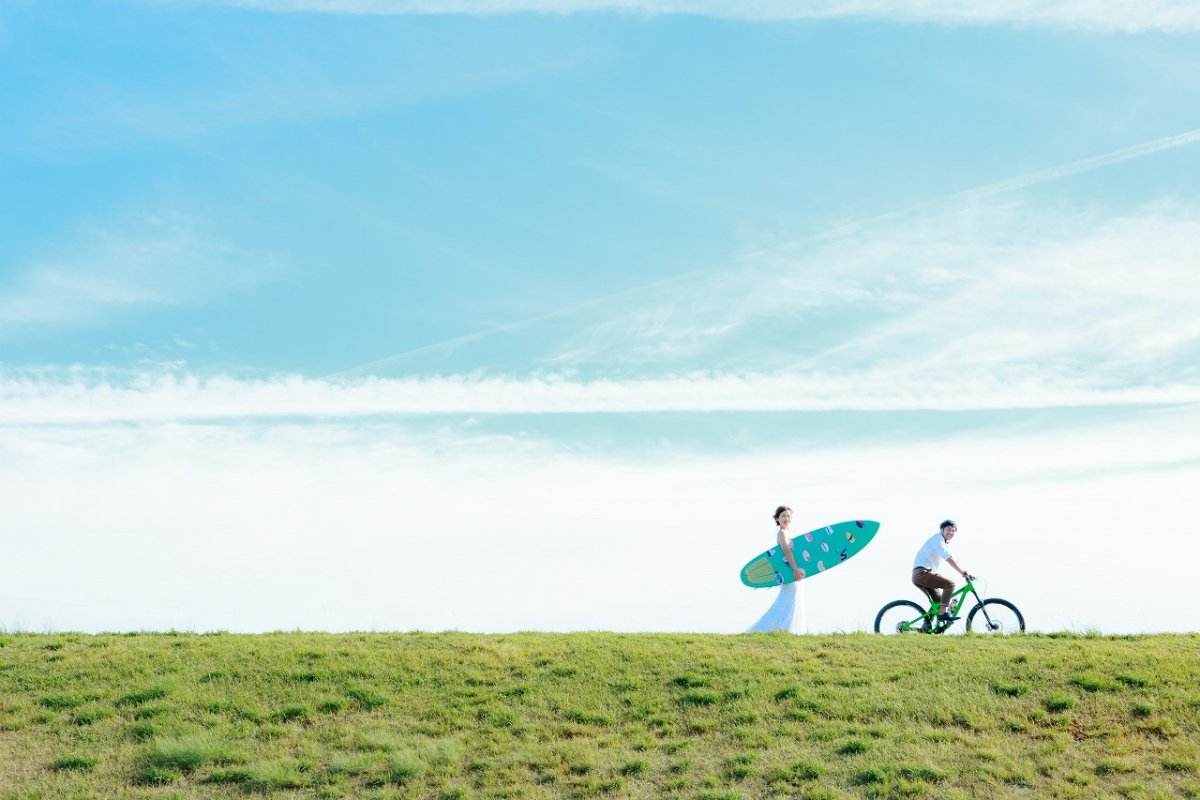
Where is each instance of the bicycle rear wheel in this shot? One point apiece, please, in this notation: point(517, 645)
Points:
point(1000, 616)
point(893, 618)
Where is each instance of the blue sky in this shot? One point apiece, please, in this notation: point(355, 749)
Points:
point(290, 291)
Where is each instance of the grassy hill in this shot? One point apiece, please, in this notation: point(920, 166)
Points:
point(598, 715)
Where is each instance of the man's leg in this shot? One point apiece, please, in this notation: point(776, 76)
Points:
point(929, 593)
point(932, 597)
point(928, 582)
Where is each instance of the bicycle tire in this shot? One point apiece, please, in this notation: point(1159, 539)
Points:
point(892, 623)
point(1001, 622)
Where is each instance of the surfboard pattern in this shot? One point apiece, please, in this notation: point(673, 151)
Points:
point(817, 551)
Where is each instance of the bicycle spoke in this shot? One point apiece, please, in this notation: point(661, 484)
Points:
point(995, 616)
point(896, 617)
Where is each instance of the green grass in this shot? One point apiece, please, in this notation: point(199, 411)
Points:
point(457, 716)
point(84, 763)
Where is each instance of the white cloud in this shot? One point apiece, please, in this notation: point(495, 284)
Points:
point(1093, 15)
point(347, 527)
point(82, 397)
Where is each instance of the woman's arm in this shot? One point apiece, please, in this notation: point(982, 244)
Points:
point(785, 544)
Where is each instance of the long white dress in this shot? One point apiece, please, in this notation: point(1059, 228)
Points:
point(787, 613)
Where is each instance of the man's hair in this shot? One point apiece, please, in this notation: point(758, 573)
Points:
point(948, 523)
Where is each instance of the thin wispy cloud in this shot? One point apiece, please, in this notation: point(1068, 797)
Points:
point(1052, 298)
point(153, 261)
point(1067, 292)
point(275, 84)
point(859, 264)
point(1029, 180)
point(1101, 15)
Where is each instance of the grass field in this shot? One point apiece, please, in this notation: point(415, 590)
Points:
point(598, 715)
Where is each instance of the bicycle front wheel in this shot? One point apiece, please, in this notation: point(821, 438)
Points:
point(896, 616)
point(995, 616)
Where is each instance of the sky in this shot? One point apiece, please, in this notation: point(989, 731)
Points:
point(524, 315)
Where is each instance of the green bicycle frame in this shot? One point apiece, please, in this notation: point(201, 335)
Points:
point(930, 616)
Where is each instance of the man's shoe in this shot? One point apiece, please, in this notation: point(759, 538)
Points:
point(944, 622)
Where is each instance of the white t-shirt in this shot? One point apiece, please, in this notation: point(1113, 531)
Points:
point(932, 553)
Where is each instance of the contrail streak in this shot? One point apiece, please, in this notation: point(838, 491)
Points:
point(1001, 187)
point(448, 346)
point(1085, 165)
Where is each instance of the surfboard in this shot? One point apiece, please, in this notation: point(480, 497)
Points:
point(816, 552)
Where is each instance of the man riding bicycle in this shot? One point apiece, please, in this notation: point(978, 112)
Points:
point(925, 575)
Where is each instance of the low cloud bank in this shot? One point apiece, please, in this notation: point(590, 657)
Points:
point(81, 397)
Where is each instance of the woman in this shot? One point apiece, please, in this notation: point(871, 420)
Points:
point(787, 613)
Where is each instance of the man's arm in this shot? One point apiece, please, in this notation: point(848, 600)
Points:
point(958, 569)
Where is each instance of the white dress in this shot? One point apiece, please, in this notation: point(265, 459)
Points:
point(787, 613)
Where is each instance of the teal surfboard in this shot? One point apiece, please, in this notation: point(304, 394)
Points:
point(816, 552)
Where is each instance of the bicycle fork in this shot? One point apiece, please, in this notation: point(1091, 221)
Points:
point(983, 608)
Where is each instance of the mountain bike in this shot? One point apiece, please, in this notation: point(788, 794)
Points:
point(994, 615)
